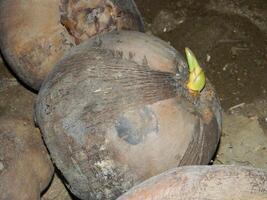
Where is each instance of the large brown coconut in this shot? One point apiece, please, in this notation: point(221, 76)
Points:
point(203, 183)
point(114, 112)
point(36, 33)
point(25, 167)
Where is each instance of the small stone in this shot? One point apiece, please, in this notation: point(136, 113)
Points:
point(208, 57)
point(225, 67)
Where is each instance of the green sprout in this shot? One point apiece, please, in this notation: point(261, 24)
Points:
point(197, 79)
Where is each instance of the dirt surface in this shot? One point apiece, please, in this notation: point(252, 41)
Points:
point(56, 191)
point(243, 142)
point(230, 39)
point(228, 36)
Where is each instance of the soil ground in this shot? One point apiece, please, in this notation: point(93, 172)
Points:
point(229, 38)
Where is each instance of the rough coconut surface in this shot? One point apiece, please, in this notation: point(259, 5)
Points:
point(35, 34)
point(203, 182)
point(25, 167)
point(129, 115)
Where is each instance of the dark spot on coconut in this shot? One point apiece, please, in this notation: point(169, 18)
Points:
point(47, 109)
point(134, 126)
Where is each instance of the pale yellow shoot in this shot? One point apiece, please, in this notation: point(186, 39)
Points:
point(197, 79)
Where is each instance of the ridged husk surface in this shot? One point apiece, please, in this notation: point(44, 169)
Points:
point(36, 33)
point(203, 182)
point(115, 112)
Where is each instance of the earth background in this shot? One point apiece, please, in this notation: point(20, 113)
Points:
point(229, 38)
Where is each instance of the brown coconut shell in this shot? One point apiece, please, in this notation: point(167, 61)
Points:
point(115, 116)
point(35, 34)
point(25, 167)
point(202, 183)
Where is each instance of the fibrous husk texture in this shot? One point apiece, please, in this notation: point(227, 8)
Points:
point(113, 117)
point(35, 34)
